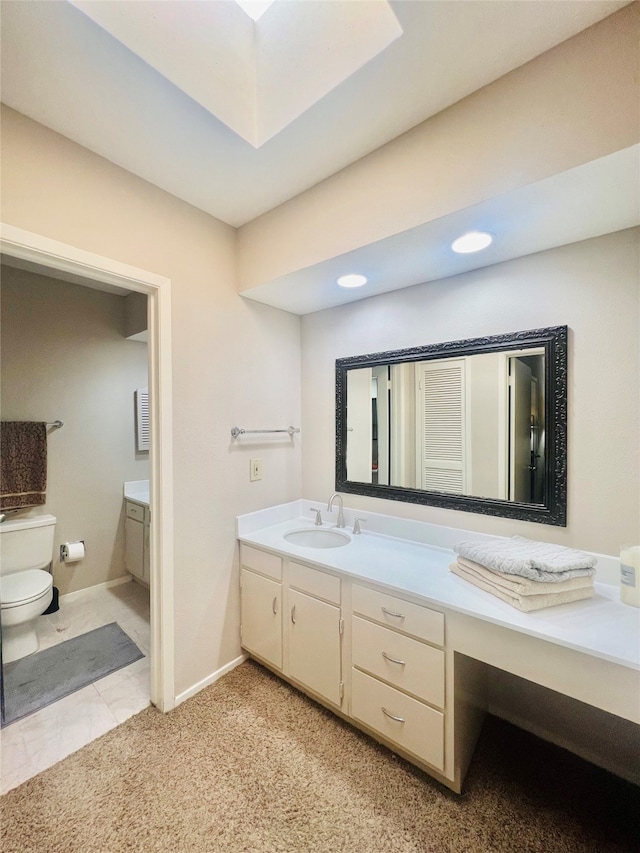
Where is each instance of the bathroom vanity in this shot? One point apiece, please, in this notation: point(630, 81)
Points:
point(377, 629)
point(137, 530)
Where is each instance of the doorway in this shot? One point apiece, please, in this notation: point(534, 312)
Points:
point(41, 254)
point(526, 434)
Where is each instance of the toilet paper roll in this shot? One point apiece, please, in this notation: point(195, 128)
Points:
point(73, 551)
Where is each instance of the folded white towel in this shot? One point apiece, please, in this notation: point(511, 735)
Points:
point(538, 561)
point(522, 586)
point(525, 603)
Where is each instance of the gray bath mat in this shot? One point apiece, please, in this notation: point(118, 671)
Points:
point(36, 681)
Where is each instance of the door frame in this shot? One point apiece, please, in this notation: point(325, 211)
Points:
point(75, 264)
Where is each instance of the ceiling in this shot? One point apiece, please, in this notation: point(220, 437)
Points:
point(236, 117)
point(64, 70)
point(588, 201)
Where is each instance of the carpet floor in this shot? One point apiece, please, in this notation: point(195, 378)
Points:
point(250, 765)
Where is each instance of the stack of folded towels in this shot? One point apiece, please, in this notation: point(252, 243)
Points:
point(526, 574)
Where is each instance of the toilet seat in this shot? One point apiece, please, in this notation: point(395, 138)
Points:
point(24, 587)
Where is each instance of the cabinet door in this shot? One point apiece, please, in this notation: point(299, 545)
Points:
point(314, 645)
point(146, 555)
point(261, 617)
point(134, 546)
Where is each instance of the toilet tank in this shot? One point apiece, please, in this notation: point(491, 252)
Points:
point(26, 543)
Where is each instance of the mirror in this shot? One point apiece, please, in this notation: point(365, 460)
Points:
point(476, 425)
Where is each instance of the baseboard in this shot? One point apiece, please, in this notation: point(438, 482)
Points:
point(210, 679)
point(89, 590)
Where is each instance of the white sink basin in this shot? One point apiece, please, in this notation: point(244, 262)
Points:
point(316, 537)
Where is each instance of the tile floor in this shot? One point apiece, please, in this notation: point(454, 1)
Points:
point(36, 742)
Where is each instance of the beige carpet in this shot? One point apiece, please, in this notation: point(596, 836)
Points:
point(252, 765)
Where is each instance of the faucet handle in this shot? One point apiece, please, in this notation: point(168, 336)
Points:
point(356, 525)
point(318, 520)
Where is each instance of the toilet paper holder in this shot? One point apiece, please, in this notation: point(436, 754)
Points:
point(64, 549)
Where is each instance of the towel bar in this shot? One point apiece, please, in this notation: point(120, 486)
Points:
point(236, 431)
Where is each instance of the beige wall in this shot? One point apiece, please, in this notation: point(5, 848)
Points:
point(233, 362)
point(593, 288)
point(569, 106)
point(64, 356)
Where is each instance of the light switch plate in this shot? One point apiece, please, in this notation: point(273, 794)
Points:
point(255, 469)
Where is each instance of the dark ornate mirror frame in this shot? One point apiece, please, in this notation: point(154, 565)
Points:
point(554, 341)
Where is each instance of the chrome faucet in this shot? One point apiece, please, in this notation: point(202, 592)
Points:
point(340, 522)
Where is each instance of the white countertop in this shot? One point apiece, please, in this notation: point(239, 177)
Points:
point(601, 626)
point(137, 491)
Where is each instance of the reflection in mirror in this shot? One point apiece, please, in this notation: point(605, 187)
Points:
point(470, 426)
point(466, 419)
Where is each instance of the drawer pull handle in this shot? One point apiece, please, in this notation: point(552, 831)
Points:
point(392, 716)
point(393, 660)
point(274, 606)
point(391, 613)
point(293, 614)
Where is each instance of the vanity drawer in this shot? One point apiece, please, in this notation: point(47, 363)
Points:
point(314, 582)
point(413, 619)
point(402, 661)
point(418, 728)
point(134, 511)
point(262, 562)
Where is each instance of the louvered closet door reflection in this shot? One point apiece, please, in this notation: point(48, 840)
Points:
point(441, 451)
point(142, 418)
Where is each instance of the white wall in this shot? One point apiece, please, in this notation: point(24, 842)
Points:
point(593, 288)
point(234, 362)
point(65, 357)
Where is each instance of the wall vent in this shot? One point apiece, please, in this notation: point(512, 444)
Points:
point(142, 418)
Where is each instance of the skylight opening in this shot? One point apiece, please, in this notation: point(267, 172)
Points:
point(255, 9)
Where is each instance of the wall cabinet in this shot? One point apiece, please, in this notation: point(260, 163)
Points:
point(137, 540)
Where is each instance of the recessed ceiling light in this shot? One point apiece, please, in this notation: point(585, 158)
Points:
point(352, 280)
point(472, 241)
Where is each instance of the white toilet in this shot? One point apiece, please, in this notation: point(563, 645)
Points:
point(26, 548)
